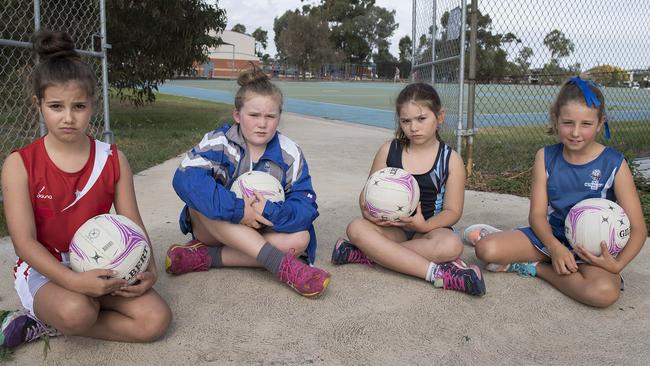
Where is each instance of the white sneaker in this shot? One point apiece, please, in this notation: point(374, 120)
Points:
point(476, 232)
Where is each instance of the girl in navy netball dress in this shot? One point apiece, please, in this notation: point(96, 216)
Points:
point(576, 168)
point(50, 188)
point(423, 245)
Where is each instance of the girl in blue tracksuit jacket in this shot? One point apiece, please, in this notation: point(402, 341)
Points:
point(249, 232)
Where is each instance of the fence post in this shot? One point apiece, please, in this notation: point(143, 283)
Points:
point(471, 92)
point(434, 33)
point(461, 78)
point(108, 134)
point(412, 76)
point(37, 26)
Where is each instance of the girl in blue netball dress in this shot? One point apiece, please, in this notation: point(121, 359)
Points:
point(423, 245)
point(564, 174)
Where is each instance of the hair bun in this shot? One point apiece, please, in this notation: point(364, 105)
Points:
point(251, 76)
point(53, 45)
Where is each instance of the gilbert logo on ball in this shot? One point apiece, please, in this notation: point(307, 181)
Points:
point(261, 182)
point(391, 193)
point(591, 221)
point(110, 242)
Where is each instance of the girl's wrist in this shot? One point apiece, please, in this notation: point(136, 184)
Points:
point(70, 280)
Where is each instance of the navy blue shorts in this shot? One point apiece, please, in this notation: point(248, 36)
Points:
point(559, 235)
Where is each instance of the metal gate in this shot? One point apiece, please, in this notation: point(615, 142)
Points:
point(85, 21)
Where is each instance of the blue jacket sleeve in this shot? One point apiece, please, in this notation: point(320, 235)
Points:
point(195, 182)
point(299, 209)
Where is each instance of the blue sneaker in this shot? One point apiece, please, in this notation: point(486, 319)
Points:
point(524, 269)
point(19, 327)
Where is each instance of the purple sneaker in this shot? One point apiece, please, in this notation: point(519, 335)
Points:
point(19, 327)
point(189, 257)
point(307, 281)
point(459, 276)
point(345, 252)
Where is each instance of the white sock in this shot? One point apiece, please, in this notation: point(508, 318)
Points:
point(430, 271)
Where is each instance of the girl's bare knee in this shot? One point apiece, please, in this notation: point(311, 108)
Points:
point(298, 241)
point(355, 228)
point(447, 249)
point(486, 249)
point(154, 323)
point(76, 315)
point(454, 247)
point(601, 293)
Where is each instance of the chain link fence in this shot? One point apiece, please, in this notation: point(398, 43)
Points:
point(438, 58)
point(19, 19)
point(519, 52)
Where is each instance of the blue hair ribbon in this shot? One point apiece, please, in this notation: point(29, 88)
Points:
point(590, 98)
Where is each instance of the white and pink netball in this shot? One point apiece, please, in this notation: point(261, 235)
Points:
point(391, 193)
point(261, 182)
point(110, 242)
point(594, 220)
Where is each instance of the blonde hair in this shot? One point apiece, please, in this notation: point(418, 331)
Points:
point(255, 81)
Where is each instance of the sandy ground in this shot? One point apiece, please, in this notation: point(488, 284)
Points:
point(366, 316)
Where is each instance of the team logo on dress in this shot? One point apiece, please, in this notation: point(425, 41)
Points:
point(596, 174)
point(42, 195)
point(595, 184)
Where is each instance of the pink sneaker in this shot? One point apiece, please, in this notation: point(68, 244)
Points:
point(307, 281)
point(189, 257)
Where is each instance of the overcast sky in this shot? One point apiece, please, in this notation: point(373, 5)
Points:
point(602, 31)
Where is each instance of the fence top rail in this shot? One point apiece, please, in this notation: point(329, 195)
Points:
point(8, 42)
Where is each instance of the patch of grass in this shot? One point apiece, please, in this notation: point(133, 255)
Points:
point(6, 354)
point(154, 133)
point(643, 187)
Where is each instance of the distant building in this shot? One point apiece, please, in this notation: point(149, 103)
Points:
point(227, 60)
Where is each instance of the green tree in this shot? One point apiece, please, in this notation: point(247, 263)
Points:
point(154, 40)
point(262, 37)
point(358, 27)
point(405, 49)
point(304, 41)
point(523, 59)
point(559, 45)
point(279, 25)
point(380, 26)
point(383, 55)
point(239, 28)
point(521, 65)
